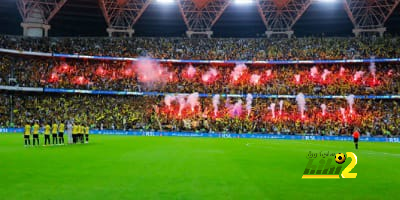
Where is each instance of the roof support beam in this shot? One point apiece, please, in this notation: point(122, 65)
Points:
point(200, 20)
point(369, 15)
point(121, 15)
point(37, 14)
point(279, 16)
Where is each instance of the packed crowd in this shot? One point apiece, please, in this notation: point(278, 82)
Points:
point(211, 49)
point(276, 79)
point(373, 117)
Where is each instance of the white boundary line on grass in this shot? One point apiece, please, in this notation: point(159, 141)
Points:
point(362, 151)
point(380, 153)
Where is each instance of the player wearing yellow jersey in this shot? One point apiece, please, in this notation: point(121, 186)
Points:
point(78, 139)
point(74, 133)
point(54, 131)
point(61, 129)
point(36, 128)
point(78, 130)
point(27, 134)
point(87, 133)
point(81, 133)
point(47, 129)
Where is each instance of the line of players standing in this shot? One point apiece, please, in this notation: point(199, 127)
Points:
point(79, 133)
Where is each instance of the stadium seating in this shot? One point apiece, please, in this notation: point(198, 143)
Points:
point(151, 113)
point(278, 79)
point(214, 49)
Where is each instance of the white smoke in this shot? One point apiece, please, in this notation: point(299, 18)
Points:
point(350, 101)
point(272, 108)
point(358, 75)
point(211, 73)
point(326, 73)
point(323, 108)
point(150, 73)
point(168, 99)
point(301, 102)
point(228, 103)
point(314, 71)
point(215, 101)
point(193, 100)
point(268, 72)
point(182, 103)
point(342, 110)
point(297, 77)
point(191, 71)
point(238, 71)
point(342, 71)
point(236, 110)
point(372, 69)
point(249, 100)
point(255, 79)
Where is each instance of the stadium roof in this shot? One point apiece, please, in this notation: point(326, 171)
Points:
point(85, 18)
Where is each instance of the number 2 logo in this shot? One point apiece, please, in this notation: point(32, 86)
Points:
point(346, 172)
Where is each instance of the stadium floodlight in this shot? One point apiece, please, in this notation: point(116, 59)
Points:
point(165, 1)
point(244, 1)
point(328, 1)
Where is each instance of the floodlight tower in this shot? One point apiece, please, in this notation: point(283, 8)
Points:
point(369, 15)
point(201, 15)
point(279, 16)
point(36, 15)
point(121, 15)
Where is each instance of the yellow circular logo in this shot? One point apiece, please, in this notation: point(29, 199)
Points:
point(340, 158)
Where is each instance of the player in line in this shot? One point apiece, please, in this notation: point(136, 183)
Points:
point(80, 133)
point(54, 132)
point(75, 133)
point(27, 134)
point(61, 129)
point(87, 133)
point(36, 128)
point(47, 134)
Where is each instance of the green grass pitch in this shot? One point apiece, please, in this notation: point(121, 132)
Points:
point(129, 167)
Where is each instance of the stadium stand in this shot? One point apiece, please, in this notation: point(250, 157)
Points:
point(152, 113)
point(310, 48)
point(341, 79)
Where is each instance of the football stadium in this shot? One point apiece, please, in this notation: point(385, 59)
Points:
point(199, 99)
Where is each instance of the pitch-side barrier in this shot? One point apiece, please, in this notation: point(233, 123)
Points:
point(224, 135)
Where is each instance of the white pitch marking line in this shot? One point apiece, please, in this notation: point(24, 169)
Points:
point(367, 151)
